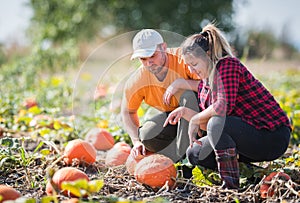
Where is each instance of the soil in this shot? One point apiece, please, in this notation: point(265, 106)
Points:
point(30, 182)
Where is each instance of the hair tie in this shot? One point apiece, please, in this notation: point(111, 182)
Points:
point(204, 34)
point(203, 41)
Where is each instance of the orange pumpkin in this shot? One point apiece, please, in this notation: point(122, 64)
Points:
point(155, 170)
point(118, 154)
point(265, 190)
point(65, 174)
point(30, 102)
point(79, 149)
point(8, 193)
point(131, 162)
point(100, 138)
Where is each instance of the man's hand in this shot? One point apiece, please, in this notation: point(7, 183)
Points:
point(171, 90)
point(138, 150)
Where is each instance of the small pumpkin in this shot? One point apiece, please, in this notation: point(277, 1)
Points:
point(265, 190)
point(65, 174)
point(118, 154)
point(30, 102)
point(8, 193)
point(132, 161)
point(79, 149)
point(155, 170)
point(100, 138)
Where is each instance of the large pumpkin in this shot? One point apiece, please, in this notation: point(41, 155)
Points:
point(118, 154)
point(100, 138)
point(155, 170)
point(79, 149)
point(8, 193)
point(131, 162)
point(265, 190)
point(65, 174)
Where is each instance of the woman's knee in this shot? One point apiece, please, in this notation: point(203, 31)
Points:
point(208, 161)
point(192, 156)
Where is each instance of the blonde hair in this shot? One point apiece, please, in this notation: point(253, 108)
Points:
point(209, 43)
point(219, 46)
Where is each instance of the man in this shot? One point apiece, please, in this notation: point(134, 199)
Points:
point(151, 84)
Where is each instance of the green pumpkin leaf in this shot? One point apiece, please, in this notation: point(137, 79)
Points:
point(199, 178)
point(77, 188)
point(95, 185)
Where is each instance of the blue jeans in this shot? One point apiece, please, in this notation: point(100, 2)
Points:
point(253, 145)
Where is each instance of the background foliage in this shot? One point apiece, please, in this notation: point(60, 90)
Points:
point(42, 73)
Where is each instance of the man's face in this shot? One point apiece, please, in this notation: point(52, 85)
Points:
point(155, 62)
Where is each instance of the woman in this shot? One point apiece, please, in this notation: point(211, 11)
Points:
point(242, 120)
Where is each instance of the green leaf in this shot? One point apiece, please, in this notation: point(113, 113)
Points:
point(45, 152)
point(23, 155)
point(34, 110)
point(44, 131)
point(57, 125)
point(38, 147)
point(199, 178)
point(77, 188)
point(49, 199)
point(95, 186)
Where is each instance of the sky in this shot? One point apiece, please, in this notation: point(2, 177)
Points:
point(255, 14)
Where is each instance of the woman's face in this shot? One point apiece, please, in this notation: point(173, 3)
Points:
point(197, 65)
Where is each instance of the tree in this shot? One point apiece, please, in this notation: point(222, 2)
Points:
point(183, 17)
point(58, 21)
point(61, 20)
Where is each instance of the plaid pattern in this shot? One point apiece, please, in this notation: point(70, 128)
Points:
point(228, 167)
point(238, 93)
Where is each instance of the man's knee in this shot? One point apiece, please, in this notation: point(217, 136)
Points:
point(189, 99)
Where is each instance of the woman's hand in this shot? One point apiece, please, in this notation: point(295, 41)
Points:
point(175, 116)
point(196, 124)
point(194, 130)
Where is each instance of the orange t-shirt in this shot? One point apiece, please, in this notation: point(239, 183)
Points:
point(144, 86)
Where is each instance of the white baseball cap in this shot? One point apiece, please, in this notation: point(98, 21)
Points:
point(145, 42)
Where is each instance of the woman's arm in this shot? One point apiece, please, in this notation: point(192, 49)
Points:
point(200, 120)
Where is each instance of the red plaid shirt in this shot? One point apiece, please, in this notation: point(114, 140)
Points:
point(238, 93)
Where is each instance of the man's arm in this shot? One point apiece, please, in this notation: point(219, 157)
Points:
point(131, 125)
point(180, 83)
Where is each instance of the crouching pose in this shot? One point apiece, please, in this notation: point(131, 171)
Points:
point(242, 120)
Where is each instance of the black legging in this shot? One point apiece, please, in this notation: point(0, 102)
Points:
point(252, 145)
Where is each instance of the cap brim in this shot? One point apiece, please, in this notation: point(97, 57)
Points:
point(143, 53)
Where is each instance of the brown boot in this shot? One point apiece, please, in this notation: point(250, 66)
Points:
point(228, 167)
